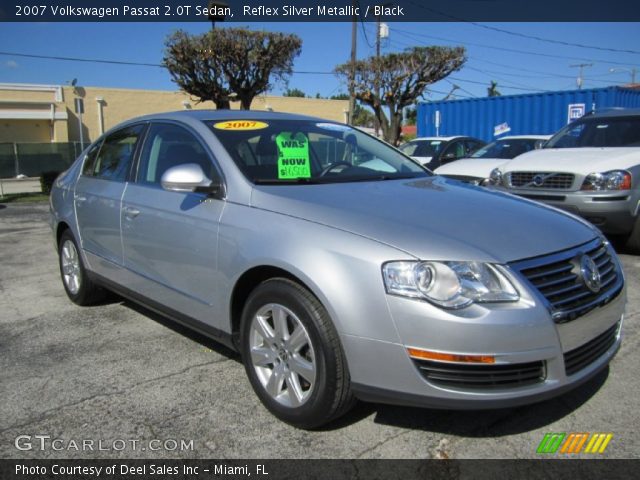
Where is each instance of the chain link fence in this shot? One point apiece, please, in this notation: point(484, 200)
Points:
point(33, 159)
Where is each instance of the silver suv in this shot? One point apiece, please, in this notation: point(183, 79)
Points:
point(337, 266)
point(590, 168)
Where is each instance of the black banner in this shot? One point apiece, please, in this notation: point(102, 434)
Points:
point(247, 11)
point(319, 469)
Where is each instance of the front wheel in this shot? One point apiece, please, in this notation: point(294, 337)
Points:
point(292, 355)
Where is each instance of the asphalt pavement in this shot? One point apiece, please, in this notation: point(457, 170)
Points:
point(117, 375)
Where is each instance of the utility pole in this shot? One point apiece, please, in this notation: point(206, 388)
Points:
point(581, 67)
point(377, 85)
point(352, 73)
point(382, 31)
point(216, 9)
point(632, 71)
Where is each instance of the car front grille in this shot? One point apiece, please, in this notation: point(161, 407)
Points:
point(547, 180)
point(481, 376)
point(559, 279)
point(581, 357)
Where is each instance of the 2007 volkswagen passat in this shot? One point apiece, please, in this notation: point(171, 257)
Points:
point(336, 265)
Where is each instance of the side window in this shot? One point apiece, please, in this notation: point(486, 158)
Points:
point(115, 156)
point(453, 151)
point(472, 146)
point(167, 146)
point(90, 159)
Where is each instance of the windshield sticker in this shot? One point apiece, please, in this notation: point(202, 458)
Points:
point(436, 142)
point(293, 156)
point(333, 126)
point(240, 125)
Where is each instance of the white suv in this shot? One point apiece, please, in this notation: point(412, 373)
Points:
point(591, 168)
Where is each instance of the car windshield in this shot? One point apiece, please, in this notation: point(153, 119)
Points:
point(423, 148)
point(508, 148)
point(305, 151)
point(599, 132)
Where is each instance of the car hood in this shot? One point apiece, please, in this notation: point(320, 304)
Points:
point(431, 218)
point(471, 167)
point(575, 160)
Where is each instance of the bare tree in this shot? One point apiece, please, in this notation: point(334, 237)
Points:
point(403, 78)
point(230, 62)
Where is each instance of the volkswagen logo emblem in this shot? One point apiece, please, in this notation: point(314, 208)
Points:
point(538, 180)
point(590, 274)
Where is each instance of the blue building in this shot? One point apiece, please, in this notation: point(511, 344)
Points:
point(545, 113)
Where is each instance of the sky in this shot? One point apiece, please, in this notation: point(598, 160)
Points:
point(519, 64)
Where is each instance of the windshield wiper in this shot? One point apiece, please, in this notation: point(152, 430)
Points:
point(285, 181)
point(380, 178)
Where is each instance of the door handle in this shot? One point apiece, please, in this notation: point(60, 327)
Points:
point(80, 198)
point(131, 212)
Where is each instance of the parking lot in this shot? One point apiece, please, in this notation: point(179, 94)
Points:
point(119, 372)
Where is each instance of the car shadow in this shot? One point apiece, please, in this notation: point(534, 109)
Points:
point(464, 423)
point(182, 330)
point(477, 423)
point(618, 243)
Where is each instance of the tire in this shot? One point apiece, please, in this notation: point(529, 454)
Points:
point(80, 289)
point(633, 241)
point(292, 355)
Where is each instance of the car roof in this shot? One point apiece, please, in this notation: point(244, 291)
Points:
point(524, 137)
point(205, 115)
point(442, 139)
point(614, 112)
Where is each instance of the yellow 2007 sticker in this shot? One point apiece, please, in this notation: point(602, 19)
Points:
point(240, 125)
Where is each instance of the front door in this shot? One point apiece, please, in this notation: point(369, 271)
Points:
point(170, 238)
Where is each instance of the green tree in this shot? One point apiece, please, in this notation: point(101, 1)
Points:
point(294, 92)
point(230, 63)
point(411, 115)
point(402, 78)
point(362, 117)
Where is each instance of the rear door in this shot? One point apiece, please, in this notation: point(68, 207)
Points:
point(170, 238)
point(98, 195)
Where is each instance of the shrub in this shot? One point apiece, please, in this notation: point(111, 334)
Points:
point(46, 181)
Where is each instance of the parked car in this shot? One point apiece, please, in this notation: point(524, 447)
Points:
point(334, 280)
point(590, 168)
point(477, 168)
point(433, 152)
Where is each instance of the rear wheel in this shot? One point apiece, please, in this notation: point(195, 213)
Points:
point(292, 355)
point(79, 287)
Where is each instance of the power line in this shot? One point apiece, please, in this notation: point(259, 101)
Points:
point(123, 62)
point(76, 59)
point(412, 36)
point(549, 40)
point(523, 35)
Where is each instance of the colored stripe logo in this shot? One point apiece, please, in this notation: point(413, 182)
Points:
point(573, 443)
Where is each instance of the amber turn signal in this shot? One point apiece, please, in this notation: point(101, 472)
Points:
point(449, 357)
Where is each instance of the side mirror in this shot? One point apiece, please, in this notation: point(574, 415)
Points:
point(189, 177)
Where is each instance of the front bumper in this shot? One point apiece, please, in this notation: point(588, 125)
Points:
point(611, 212)
point(518, 335)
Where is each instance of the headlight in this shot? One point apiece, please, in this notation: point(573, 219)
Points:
point(613, 180)
point(448, 284)
point(495, 177)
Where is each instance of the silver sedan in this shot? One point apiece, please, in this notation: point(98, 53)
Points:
point(338, 267)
